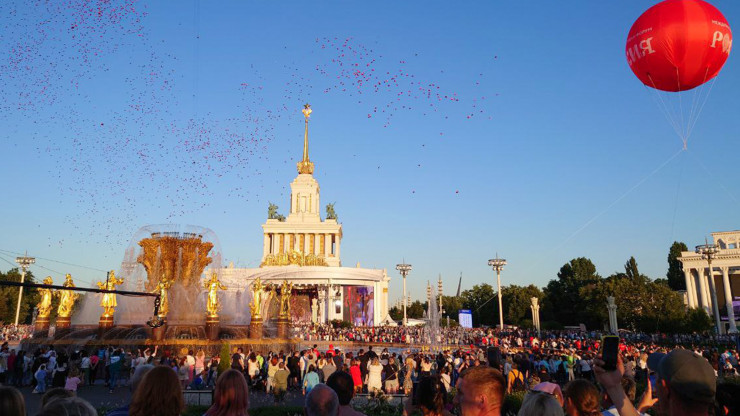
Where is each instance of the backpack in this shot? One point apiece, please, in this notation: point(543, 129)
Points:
point(518, 383)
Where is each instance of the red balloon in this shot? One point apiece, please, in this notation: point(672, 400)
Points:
point(678, 45)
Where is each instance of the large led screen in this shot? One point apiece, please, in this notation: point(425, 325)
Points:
point(359, 305)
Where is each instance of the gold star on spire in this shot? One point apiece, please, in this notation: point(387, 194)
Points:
point(305, 165)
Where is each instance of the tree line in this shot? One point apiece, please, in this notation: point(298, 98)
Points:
point(578, 295)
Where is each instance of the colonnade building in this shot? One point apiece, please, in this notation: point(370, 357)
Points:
point(305, 250)
point(722, 282)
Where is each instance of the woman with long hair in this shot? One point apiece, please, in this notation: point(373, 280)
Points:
point(374, 376)
point(159, 393)
point(231, 397)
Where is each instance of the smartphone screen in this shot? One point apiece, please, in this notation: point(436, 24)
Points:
point(609, 351)
point(652, 384)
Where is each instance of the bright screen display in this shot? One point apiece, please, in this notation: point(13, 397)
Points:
point(359, 302)
point(465, 317)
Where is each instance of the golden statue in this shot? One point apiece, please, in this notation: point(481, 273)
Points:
point(285, 290)
point(164, 303)
point(109, 299)
point(255, 307)
point(213, 285)
point(67, 298)
point(44, 306)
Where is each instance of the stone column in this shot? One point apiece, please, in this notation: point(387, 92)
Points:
point(715, 304)
point(689, 288)
point(612, 307)
point(338, 244)
point(327, 239)
point(536, 315)
point(694, 294)
point(266, 245)
point(703, 290)
point(314, 310)
point(275, 243)
point(728, 298)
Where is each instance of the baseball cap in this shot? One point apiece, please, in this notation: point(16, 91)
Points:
point(687, 373)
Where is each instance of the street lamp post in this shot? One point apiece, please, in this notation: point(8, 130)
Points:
point(709, 251)
point(498, 264)
point(24, 262)
point(404, 269)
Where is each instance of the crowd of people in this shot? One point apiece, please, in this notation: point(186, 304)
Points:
point(562, 371)
point(9, 333)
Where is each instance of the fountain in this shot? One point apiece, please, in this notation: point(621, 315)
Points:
point(431, 333)
point(181, 263)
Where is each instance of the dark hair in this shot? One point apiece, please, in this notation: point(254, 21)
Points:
point(55, 393)
point(341, 382)
point(583, 394)
point(11, 402)
point(68, 406)
point(431, 393)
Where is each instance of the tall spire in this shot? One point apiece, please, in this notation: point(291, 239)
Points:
point(305, 165)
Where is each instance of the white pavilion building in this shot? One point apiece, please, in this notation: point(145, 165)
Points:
point(724, 285)
point(304, 249)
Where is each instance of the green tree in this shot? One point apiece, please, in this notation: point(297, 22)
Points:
point(451, 305)
point(9, 298)
point(415, 310)
point(482, 303)
point(566, 297)
point(516, 302)
point(697, 321)
point(225, 358)
point(675, 276)
point(396, 313)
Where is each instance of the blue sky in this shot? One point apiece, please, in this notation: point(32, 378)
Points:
point(514, 128)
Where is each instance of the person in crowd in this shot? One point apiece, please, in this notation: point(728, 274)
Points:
point(159, 393)
point(11, 402)
point(374, 376)
point(581, 398)
point(552, 389)
point(55, 393)
point(431, 398)
point(272, 368)
point(342, 383)
point(408, 378)
point(73, 406)
point(391, 376)
point(322, 401)
point(328, 369)
point(515, 381)
point(231, 397)
point(539, 403)
point(311, 379)
point(686, 383)
point(480, 392)
point(40, 377)
point(73, 381)
point(183, 372)
point(280, 381)
point(356, 374)
point(136, 378)
point(114, 369)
